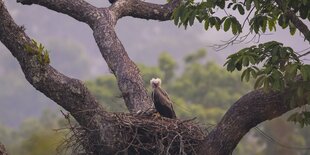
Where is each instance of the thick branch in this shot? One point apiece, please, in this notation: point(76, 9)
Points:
point(127, 73)
point(144, 10)
point(301, 26)
point(78, 9)
point(102, 21)
point(246, 113)
point(69, 93)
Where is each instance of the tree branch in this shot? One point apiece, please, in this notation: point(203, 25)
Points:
point(78, 9)
point(144, 10)
point(102, 21)
point(250, 110)
point(69, 93)
point(127, 73)
point(301, 26)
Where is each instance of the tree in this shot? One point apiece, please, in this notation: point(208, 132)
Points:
point(108, 133)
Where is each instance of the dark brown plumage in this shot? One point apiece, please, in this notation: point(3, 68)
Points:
point(161, 100)
point(112, 1)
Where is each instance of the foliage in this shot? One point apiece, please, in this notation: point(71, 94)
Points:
point(273, 66)
point(167, 65)
point(39, 51)
point(266, 13)
point(35, 136)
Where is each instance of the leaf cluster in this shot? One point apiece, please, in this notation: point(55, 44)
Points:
point(303, 118)
point(274, 67)
point(39, 51)
point(267, 14)
point(204, 12)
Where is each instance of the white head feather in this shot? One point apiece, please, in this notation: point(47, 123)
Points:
point(155, 82)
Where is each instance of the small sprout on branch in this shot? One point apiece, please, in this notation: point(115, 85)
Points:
point(39, 51)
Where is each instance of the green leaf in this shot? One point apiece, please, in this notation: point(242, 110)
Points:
point(192, 18)
point(248, 75)
point(252, 60)
point(245, 61)
point(291, 71)
point(271, 24)
point(240, 9)
point(227, 24)
point(264, 25)
point(221, 4)
point(218, 24)
point(244, 74)
point(248, 4)
point(206, 24)
point(176, 15)
point(254, 73)
point(212, 21)
point(292, 28)
point(259, 82)
point(283, 21)
point(266, 84)
point(305, 72)
point(239, 66)
point(234, 28)
point(256, 4)
point(292, 117)
point(231, 66)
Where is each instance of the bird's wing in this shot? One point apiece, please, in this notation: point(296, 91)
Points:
point(163, 102)
point(168, 102)
point(164, 93)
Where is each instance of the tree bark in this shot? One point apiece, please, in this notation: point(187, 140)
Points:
point(71, 94)
point(250, 110)
point(102, 21)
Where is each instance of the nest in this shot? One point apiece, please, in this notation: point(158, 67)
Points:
point(133, 134)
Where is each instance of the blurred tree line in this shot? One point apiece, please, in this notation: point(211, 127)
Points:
point(199, 88)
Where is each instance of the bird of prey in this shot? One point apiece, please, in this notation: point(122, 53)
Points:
point(161, 100)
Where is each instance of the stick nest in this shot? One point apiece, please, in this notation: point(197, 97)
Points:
point(134, 134)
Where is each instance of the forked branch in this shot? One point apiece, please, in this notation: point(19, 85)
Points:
point(69, 93)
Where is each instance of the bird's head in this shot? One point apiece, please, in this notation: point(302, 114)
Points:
point(155, 82)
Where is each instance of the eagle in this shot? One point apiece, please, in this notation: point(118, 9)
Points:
point(161, 100)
